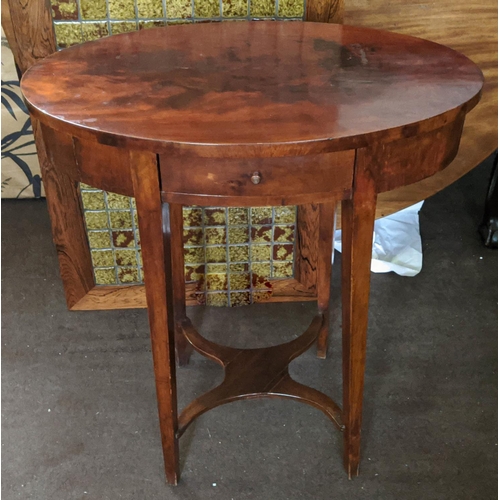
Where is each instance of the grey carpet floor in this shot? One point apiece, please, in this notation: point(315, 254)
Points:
point(79, 414)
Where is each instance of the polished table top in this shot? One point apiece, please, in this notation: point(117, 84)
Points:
point(252, 88)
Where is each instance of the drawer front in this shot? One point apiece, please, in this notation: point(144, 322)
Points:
point(257, 181)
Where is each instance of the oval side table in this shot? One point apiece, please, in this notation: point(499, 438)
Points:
point(250, 114)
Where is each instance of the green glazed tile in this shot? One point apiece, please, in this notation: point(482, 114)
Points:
point(238, 268)
point(261, 234)
point(121, 9)
point(150, 8)
point(216, 299)
point(93, 200)
point(179, 9)
point(282, 269)
point(238, 235)
point(193, 236)
point(192, 216)
point(239, 281)
point(238, 216)
point(118, 201)
point(216, 254)
point(214, 216)
point(105, 276)
point(239, 298)
point(96, 220)
point(123, 239)
point(262, 269)
point(216, 282)
point(102, 258)
point(93, 9)
point(261, 252)
point(194, 255)
point(99, 239)
point(120, 219)
point(94, 31)
point(284, 233)
point(68, 34)
point(128, 275)
point(290, 8)
point(144, 25)
point(284, 215)
point(122, 27)
point(238, 253)
point(125, 257)
point(234, 8)
point(262, 8)
point(206, 8)
point(64, 9)
point(215, 235)
point(262, 215)
point(283, 252)
point(216, 268)
point(261, 295)
point(194, 273)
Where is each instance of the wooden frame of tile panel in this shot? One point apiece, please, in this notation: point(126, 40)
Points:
point(30, 32)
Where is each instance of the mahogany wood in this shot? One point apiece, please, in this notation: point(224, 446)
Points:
point(398, 101)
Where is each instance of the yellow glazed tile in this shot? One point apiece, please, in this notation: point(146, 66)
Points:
point(290, 8)
point(121, 9)
point(125, 257)
point(123, 239)
point(93, 200)
point(234, 8)
point(217, 299)
point(179, 9)
point(216, 254)
point(193, 236)
point(102, 258)
point(192, 216)
point(282, 269)
point(238, 253)
point(262, 215)
point(128, 275)
point(238, 216)
point(216, 282)
point(238, 268)
point(284, 233)
point(150, 8)
point(262, 8)
point(261, 252)
point(117, 201)
point(105, 276)
point(261, 234)
point(215, 235)
point(94, 31)
point(216, 268)
point(239, 281)
point(283, 252)
point(238, 235)
point(262, 269)
point(64, 9)
point(284, 215)
point(120, 219)
point(122, 27)
point(96, 220)
point(93, 9)
point(206, 8)
point(239, 298)
point(99, 239)
point(194, 255)
point(68, 34)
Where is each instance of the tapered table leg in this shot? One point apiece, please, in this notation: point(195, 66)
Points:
point(324, 270)
point(157, 265)
point(358, 215)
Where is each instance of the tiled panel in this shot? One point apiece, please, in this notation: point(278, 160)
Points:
point(78, 21)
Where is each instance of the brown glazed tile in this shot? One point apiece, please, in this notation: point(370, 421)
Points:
point(239, 298)
point(123, 239)
point(126, 257)
point(261, 295)
point(261, 234)
point(214, 216)
point(194, 273)
point(283, 252)
point(64, 10)
point(193, 236)
point(128, 275)
point(215, 235)
point(192, 216)
point(262, 215)
point(216, 282)
point(284, 234)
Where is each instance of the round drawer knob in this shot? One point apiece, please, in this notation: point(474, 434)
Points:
point(256, 178)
